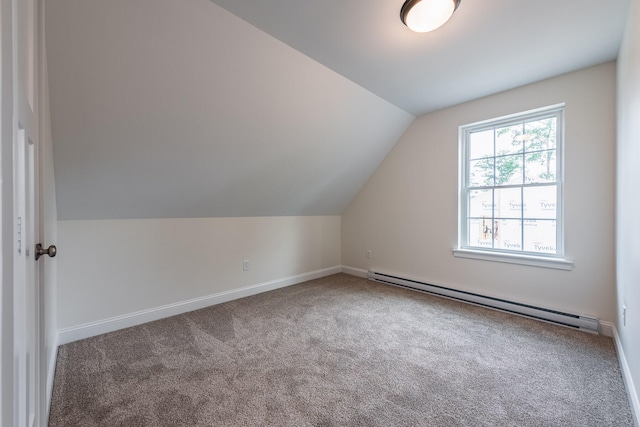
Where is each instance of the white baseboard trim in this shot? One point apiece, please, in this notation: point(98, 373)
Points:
point(112, 324)
point(606, 328)
point(632, 391)
point(354, 271)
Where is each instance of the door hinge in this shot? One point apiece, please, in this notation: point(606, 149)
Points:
point(19, 236)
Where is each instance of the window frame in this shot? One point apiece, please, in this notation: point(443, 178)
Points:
point(549, 260)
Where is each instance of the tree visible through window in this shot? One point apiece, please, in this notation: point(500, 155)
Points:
point(511, 184)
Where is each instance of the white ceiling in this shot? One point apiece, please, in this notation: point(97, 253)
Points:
point(164, 108)
point(488, 46)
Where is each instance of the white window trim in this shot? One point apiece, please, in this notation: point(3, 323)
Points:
point(547, 261)
point(533, 261)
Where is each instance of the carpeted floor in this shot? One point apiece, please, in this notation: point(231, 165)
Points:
point(341, 351)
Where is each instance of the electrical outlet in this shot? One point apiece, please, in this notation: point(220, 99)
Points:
point(368, 253)
point(624, 315)
point(245, 265)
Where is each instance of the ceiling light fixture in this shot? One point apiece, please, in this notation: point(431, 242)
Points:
point(422, 16)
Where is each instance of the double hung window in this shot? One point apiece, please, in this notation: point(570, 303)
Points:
point(511, 185)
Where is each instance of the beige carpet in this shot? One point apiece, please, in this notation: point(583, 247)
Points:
point(341, 351)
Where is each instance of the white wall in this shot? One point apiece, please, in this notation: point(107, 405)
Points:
point(407, 212)
point(110, 268)
point(628, 202)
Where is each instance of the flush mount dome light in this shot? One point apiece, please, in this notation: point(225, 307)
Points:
point(427, 15)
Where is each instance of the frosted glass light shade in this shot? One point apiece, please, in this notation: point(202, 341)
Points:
point(426, 15)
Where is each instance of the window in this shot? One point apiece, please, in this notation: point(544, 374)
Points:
point(511, 189)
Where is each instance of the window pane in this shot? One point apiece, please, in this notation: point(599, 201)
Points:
point(540, 236)
point(509, 140)
point(481, 172)
point(480, 203)
point(540, 134)
point(508, 202)
point(509, 170)
point(508, 234)
point(540, 167)
point(540, 202)
point(480, 233)
point(481, 144)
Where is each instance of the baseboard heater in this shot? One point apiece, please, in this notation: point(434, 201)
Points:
point(588, 324)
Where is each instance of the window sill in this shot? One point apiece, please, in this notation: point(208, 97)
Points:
point(534, 261)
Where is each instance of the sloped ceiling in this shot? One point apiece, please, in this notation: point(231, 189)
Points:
point(198, 108)
point(164, 108)
point(488, 46)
